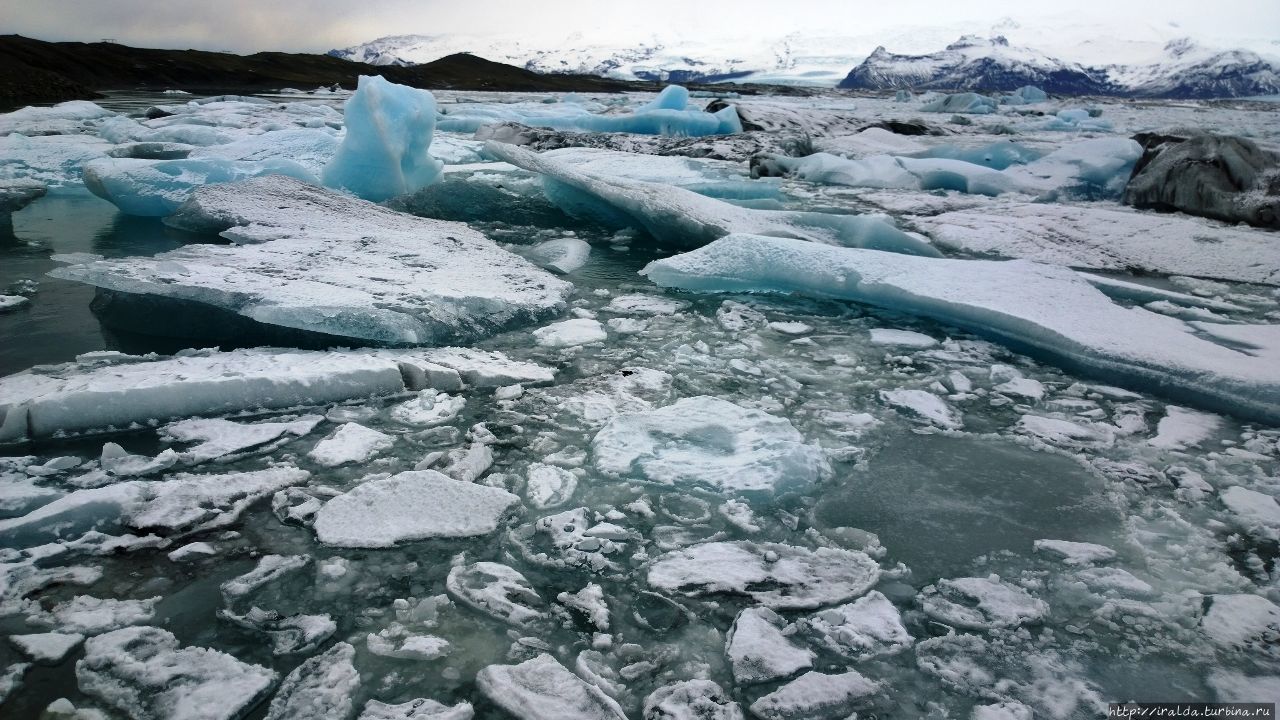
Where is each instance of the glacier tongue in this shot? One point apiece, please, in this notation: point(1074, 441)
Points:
point(1046, 310)
point(325, 264)
point(683, 218)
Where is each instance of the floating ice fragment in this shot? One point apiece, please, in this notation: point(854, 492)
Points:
point(569, 333)
point(142, 672)
point(1181, 428)
point(1051, 312)
point(155, 188)
point(351, 442)
point(321, 687)
point(548, 486)
point(980, 603)
point(562, 255)
point(925, 406)
point(760, 651)
point(708, 441)
point(690, 700)
point(1075, 553)
point(1243, 622)
point(868, 627)
point(901, 338)
point(224, 440)
point(47, 648)
point(542, 689)
point(497, 590)
point(774, 575)
point(1057, 431)
point(637, 304)
point(966, 102)
point(817, 696)
point(1254, 512)
point(386, 148)
point(419, 709)
point(590, 602)
point(408, 506)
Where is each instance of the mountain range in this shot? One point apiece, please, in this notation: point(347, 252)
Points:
point(1077, 61)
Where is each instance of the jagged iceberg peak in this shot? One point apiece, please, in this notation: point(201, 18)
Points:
point(386, 149)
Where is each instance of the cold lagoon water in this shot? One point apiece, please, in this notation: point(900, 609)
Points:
point(586, 422)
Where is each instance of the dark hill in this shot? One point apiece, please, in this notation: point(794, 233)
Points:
point(35, 71)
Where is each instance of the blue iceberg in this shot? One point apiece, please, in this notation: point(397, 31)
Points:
point(385, 151)
point(1025, 95)
point(668, 114)
point(970, 103)
point(155, 188)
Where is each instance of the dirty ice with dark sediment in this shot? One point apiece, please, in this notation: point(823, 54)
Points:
point(390, 404)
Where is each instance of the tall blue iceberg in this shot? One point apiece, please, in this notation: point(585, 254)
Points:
point(385, 151)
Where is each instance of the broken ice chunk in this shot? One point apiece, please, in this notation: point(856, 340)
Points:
point(419, 709)
point(869, 627)
point(1057, 431)
point(1075, 553)
point(548, 486)
point(708, 441)
point(47, 648)
point(352, 442)
point(497, 590)
point(817, 696)
point(1181, 428)
point(774, 575)
point(321, 687)
point(429, 409)
point(408, 506)
point(981, 603)
point(1254, 512)
point(589, 601)
point(568, 333)
point(901, 338)
point(925, 406)
point(562, 255)
point(143, 672)
point(690, 700)
point(91, 616)
point(759, 649)
point(223, 439)
point(542, 689)
point(1243, 622)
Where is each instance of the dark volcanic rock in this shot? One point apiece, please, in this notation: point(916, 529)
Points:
point(1227, 178)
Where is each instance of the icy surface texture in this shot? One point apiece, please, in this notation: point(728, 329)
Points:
point(967, 102)
point(682, 218)
point(710, 442)
point(17, 194)
point(317, 261)
point(542, 689)
point(385, 151)
point(1051, 311)
point(411, 506)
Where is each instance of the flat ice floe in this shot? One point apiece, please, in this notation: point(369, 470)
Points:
point(542, 689)
point(143, 672)
point(313, 260)
point(409, 506)
point(1107, 237)
point(817, 696)
point(773, 574)
point(682, 218)
point(708, 441)
point(107, 390)
point(1050, 311)
point(759, 649)
point(981, 603)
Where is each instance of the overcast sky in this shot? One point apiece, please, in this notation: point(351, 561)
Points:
point(318, 25)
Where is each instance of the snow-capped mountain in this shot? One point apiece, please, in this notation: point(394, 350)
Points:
point(974, 63)
point(1183, 69)
point(1069, 59)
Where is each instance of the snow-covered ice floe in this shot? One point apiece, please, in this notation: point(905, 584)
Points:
point(105, 391)
point(682, 218)
point(1110, 238)
point(311, 260)
point(1045, 310)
